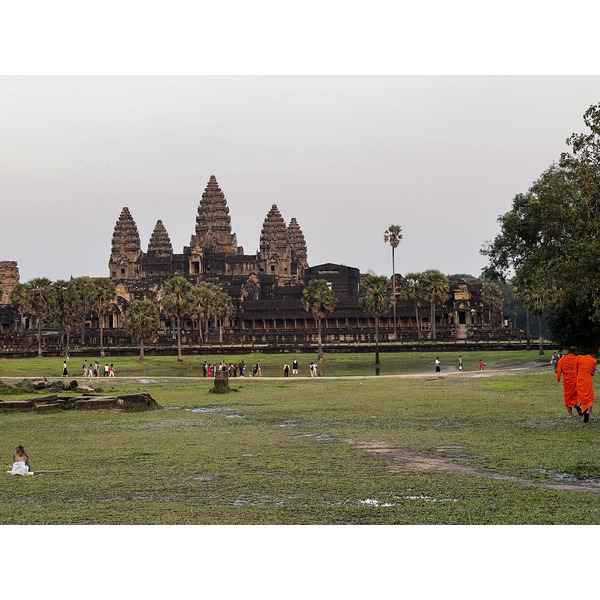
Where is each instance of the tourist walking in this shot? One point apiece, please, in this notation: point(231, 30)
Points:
point(85, 368)
point(295, 367)
point(567, 367)
point(481, 365)
point(586, 367)
point(96, 369)
point(65, 370)
point(242, 367)
point(106, 370)
point(286, 370)
point(111, 370)
point(460, 363)
point(204, 369)
point(437, 365)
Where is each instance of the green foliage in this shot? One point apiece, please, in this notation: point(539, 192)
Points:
point(142, 322)
point(318, 298)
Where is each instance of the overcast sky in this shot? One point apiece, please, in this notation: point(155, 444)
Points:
point(442, 156)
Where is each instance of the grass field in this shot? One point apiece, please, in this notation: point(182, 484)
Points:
point(470, 448)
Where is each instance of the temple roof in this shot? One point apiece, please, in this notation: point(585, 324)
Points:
point(213, 223)
point(125, 235)
point(160, 243)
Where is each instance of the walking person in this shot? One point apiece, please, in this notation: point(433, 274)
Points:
point(111, 371)
point(567, 367)
point(286, 370)
point(437, 365)
point(295, 367)
point(460, 363)
point(586, 367)
point(106, 370)
point(65, 369)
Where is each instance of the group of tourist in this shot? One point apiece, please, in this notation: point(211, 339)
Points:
point(210, 370)
point(90, 370)
point(578, 388)
point(438, 364)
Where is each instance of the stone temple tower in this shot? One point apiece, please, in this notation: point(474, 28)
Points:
point(298, 247)
point(275, 251)
point(213, 223)
point(126, 253)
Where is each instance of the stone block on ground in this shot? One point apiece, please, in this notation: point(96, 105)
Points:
point(136, 401)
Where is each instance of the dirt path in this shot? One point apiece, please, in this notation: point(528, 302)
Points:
point(402, 460)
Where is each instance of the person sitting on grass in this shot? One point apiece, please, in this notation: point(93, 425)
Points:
point(21, 462)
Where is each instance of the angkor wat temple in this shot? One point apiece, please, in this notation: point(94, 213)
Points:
point(265, 287)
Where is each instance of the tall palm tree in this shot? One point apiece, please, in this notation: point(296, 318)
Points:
point(393, 235)
point(202, 300)
point(142, 322)
point(533, 296)
point(83, 289)
point(318, 298)
point(37, 297)
point(376, 298)
point(102, 295)
point(223, 307)
point(176, 301)
point(412, 288)
point(491, 294)
point(435, 290)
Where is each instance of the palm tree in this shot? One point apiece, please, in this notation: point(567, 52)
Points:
point(102, 295)
point(492, 294)
point(393, 235)
point(533, 296)
point(318, 298)
point(376, 298)
point(38, 297)
point(176, 301)
point(412, 289)
point(223, 307)
point(435, 290)
point(201, 304)
point(83, 289)
point(142, 322)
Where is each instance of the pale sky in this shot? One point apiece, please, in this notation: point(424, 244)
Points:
point(442, 156)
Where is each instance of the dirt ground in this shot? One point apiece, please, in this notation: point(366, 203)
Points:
point(402, 460)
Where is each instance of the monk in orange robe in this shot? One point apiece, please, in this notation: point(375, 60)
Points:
point(586, 367)
point(567, 367)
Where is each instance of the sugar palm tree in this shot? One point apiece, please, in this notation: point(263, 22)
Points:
point(102, 295)
point(83, 288)
point(318, 298)
point(435, 290)
point(376, 298)
point(222, 307)
point(176, 301)
point(201, 304)
point(393, 235)
point(37, 297)
point(491, 294)
point(142, 322)
point(412, 288)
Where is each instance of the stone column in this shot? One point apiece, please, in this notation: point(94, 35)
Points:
point(221, 382)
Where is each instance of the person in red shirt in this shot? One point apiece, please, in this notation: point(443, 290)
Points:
point(567, 367)
point(586, 367)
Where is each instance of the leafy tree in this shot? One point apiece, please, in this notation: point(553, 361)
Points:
point(222, 307)
point(37, 297)
point(318, 299)
point(412, 289)
point(176, 301)
point(376, 298)
point(102, 295)
point(82, 298)
point(142, 322)
point(435, 290)
point(393, 235)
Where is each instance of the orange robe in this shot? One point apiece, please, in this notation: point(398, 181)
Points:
point(567, 367)
point(586, 367)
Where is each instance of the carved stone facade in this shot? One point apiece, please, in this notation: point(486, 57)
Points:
point(9, 277)
point(275, 271)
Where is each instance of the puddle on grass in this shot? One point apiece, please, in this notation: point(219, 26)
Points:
point(562, 476)
point(290, 423)
point(377, 503)
point(319, 437)
point(210, 410)
point(151, 381)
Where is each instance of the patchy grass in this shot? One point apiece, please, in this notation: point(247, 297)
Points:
point(277, 452)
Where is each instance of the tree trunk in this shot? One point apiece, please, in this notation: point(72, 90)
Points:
point(320, 350)
point(539, 316)
point(101, 335)
point(179, 356)
point(200, 328)
point(68, 342)
point(433, 320)
point(83, 333)
point(40, 335)
point(141, 350)
point(377, 340)
point(220, 331)
point(394, 291)
point(528, 332)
